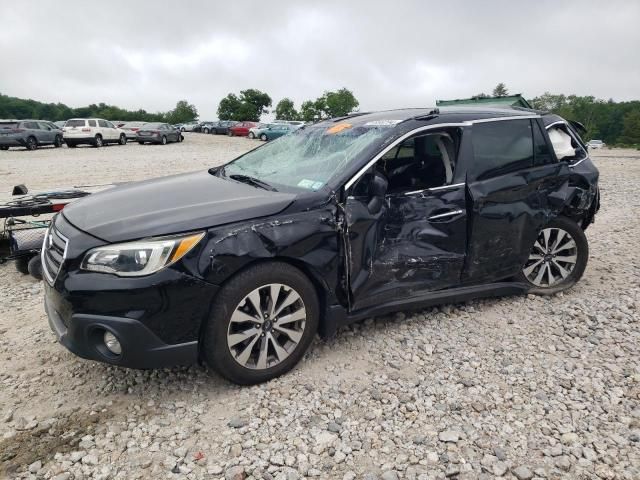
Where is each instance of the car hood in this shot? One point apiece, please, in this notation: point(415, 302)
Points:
point(172, 204)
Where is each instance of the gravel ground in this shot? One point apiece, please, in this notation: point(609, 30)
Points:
point(518, 387)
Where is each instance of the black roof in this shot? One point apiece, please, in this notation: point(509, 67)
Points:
point(433, 114)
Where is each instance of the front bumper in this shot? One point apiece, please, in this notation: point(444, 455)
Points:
point(141, 348)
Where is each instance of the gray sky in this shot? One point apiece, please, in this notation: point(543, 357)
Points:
point(150, 54)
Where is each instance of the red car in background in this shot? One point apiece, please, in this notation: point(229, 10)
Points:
point(241, 129)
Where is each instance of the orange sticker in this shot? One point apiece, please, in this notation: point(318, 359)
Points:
point(339, 127)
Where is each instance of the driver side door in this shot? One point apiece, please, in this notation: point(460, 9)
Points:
point(415, 243)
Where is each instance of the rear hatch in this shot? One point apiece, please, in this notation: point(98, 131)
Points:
point(8, 128)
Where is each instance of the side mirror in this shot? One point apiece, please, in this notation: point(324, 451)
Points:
point(377, 189)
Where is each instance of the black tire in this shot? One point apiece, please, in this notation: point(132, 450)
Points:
point(164, 140)
point(180, 138)
point(263, 137)
point(71, 145)
point(123, 139)
point(214, 346)
point(58, 141)
point(4, 148)
point(230, 133)
point(97, 141)
point(251, 135)
point(581, 252)
point(182, 129)
point(22, 265)
point(205, 130)
point(141, 143)
point(34, 266)
point(32, 143)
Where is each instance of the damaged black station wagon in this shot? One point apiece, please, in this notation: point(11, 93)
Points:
point(240, 266)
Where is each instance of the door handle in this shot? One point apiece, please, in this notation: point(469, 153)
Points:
point(451, 213)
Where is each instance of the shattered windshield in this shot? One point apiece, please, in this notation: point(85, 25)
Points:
point(307, 158)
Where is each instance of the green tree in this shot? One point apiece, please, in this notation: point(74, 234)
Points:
point(340, 103)
point(184, 112)
point(631, 128)
point(228, 107)
point(329, 105)
point(285, 110)
point(250, 105)
point(500, 90)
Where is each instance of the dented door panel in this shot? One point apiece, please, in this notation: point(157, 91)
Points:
point(506, 214)
point(414, 245)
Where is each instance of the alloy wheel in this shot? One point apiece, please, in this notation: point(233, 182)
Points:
point(266, 326)
point(552, 258)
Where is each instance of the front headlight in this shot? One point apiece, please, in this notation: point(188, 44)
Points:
point(139, 258)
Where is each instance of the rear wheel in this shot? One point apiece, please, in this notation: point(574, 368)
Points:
point(205, 130)
point(557, 259)
point(230, 133)
point(71, 145)
point(22, 265)
point(123, 139)
point(163, 140)
point(97, 141)
point(141, 143)
point(32, 143)
point(4, 148)
point(263, 137)
point(251, 135)
point(263, 321)
point(58, 141)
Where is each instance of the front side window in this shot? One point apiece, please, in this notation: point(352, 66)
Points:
point(102, 123)
point(501, 147)
point(420, 162)
point(109, 125)
point(307, 158)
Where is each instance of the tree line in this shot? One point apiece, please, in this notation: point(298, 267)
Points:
point(19, 108)
point(615, 123)
point(251, 104)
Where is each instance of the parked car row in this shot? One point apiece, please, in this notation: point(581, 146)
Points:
point(97, 132)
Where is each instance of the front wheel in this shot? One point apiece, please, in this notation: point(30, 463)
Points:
point(206, 130)
point(123, 140)
point(557, 258)
point(251, 135)
point(58, 141)
point(230, 133)
point(163, 140)
point(262, 322)
point(263, 137)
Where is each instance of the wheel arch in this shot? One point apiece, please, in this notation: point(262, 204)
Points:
point(326, 325)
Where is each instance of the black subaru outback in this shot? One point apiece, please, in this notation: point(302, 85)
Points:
point(241, 265)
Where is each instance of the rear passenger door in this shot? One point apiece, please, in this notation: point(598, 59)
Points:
point(511, 184)
point(46, 134)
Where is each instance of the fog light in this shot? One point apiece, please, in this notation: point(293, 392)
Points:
point(112, 343)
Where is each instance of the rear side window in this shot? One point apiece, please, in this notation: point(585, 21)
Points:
point(92, 123)
point(541, 150)
point(501, 147)
point(32, 125)
point(9, 125)
point(75, 123)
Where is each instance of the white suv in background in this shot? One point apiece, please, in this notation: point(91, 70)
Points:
point(92, 131)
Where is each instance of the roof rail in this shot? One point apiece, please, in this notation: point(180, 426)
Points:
point(432, 114)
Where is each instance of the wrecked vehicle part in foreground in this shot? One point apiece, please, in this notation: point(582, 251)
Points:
point(240, 266)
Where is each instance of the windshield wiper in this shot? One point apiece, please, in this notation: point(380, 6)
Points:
point(252, 181)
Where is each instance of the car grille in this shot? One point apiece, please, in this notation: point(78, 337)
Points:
point(54, 251)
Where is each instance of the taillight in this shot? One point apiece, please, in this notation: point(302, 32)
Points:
point(134, 129)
